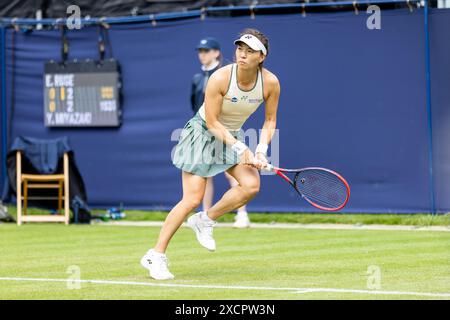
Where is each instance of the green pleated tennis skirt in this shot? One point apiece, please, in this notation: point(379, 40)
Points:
point(199, 152)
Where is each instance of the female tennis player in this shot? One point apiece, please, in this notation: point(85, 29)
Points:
point(211, 143)
point(210, 57)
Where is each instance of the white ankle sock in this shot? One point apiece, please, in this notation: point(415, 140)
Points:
point(157, 253)
point(204, 216)
point(242, 214)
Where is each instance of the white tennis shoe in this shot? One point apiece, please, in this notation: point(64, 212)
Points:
point(203, 228)
point(157, 265)
point(241, 221)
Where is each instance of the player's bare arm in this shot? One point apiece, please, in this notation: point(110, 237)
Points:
point(271, 96)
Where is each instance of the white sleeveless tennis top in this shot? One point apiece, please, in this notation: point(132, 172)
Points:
point(238, 104)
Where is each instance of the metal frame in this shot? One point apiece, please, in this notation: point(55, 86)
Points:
point(429, 114)
point(198, 13)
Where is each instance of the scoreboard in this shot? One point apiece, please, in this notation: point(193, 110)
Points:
point(82, 94)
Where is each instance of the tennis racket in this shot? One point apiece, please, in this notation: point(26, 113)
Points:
point(322, 188)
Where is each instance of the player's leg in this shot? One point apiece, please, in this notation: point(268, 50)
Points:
point(193, 192)
point(209, 194)
point(203, 222)
point(246, 189)
point(155, 259)
point(241, 220)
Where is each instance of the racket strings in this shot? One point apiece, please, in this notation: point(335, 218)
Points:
point(321, 187)
point(332, 201)
point(329, 189)
point(329, 193)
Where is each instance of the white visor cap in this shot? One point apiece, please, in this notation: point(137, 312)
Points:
point(253, 42)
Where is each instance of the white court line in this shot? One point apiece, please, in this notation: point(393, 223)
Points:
point(314, 226)
point(291, 290)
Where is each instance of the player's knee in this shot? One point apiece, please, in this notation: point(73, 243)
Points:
point(254, 190)
point(251, 188)
point(196, 202)
point(192, 203)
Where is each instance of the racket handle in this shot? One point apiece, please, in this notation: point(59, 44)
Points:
point(268, 167)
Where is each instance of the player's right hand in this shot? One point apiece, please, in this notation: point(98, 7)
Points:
point(248, 158)
point(260, 157)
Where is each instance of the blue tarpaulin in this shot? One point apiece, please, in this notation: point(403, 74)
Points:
point(353, 100)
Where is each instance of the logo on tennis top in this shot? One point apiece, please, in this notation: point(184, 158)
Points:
point(244, 98)
point(234, 99)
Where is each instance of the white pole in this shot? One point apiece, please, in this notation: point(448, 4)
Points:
point(39, 17)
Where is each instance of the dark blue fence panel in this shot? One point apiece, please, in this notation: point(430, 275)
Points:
point(2, 110)
point(353, 100)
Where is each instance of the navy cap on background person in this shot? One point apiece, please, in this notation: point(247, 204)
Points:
point(208, 44)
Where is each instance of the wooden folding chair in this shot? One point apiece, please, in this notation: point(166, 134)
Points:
point(42, 181)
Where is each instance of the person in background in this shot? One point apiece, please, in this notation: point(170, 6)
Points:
point(210, 58)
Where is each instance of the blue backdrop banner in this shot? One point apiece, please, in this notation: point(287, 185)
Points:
point(352, 100)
